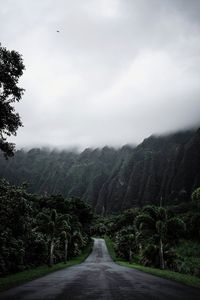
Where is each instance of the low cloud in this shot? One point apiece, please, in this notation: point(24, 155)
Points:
point(117, 71)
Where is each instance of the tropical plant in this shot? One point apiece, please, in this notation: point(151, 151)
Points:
point(66, 235)
point(11, 68)
point(196, 198)
point(35, 230)
point(127, 242)
point(56, 227)
point(159, 228)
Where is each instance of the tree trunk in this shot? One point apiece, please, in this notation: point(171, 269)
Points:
point(162, 263)
point(51, 257)
point(66, 249)
point(130, 256)
point(140, 249)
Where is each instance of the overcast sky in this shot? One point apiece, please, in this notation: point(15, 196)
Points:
point(118, 70)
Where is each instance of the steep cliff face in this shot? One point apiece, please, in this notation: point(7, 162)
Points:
point(164, 168)
point(80, 175)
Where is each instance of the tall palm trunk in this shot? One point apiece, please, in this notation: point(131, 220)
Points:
point(51, 257)
point(66, 250)
point(130, 256)
point(140, 249)
point(162, 263)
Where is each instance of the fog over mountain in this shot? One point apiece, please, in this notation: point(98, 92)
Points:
point(116, 72)
point(112, 180)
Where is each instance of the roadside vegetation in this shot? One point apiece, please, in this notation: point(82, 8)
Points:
point(28, 275)
point(179, 277)
point(111, 250)
point(182, 278)
point(41, 234)
point(160, 240)
point(40, 230)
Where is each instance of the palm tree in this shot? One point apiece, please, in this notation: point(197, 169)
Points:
point(54, 226)
point(51, 229)
point(78, 239)
point(66, 235)
point(127, 241)
point(157, 225)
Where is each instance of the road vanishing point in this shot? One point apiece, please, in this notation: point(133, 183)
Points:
point(100, 278)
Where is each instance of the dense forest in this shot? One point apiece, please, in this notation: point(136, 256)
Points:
point(38, 230)
point(111, 180)
point(156, 236)
point(145, 199)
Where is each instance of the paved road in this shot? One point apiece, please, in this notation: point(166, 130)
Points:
point(99, 278)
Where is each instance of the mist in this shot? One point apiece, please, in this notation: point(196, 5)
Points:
point(116, 72)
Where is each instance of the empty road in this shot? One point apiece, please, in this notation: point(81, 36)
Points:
point(100, 278)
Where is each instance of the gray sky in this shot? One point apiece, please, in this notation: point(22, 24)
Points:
point(118, 71)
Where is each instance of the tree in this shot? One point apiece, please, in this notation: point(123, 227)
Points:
point(16, 211)
point(127, 242)
point(196, 198)
point(57, 228)
point(159, 228)
point(48, 224)
point(35, 230)
point(11, 68)
point(66, 235)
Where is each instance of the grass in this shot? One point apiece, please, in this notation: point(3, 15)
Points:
point(182, 278)
point(110, 247)
point(189, 255)
point(28, 275)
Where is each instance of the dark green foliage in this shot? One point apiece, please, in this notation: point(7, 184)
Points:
point(196, 198)
point(99, 229)
point(158, 236)
point(161, 169)
point(188, 261)
point(161, 230)
point(19, 278)
point(191, 216)
point(39, 230)
point(127, 242)
point(66, 173)
point(11, 69)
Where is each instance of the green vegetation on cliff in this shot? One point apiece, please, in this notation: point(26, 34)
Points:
point(111, 180)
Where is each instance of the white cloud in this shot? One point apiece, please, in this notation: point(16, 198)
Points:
point(118, 71)
point(109, 9)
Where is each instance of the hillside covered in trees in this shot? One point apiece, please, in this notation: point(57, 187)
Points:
point(111, 180)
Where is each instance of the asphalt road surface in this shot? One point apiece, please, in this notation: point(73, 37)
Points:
point(100, 278)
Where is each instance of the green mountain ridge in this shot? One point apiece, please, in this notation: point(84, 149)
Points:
point(111, 180)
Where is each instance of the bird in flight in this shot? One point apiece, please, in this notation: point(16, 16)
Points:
point(58, 31)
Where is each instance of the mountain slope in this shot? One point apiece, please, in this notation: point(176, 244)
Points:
point(162, 168)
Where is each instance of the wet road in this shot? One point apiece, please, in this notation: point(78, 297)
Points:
point(99, 278)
